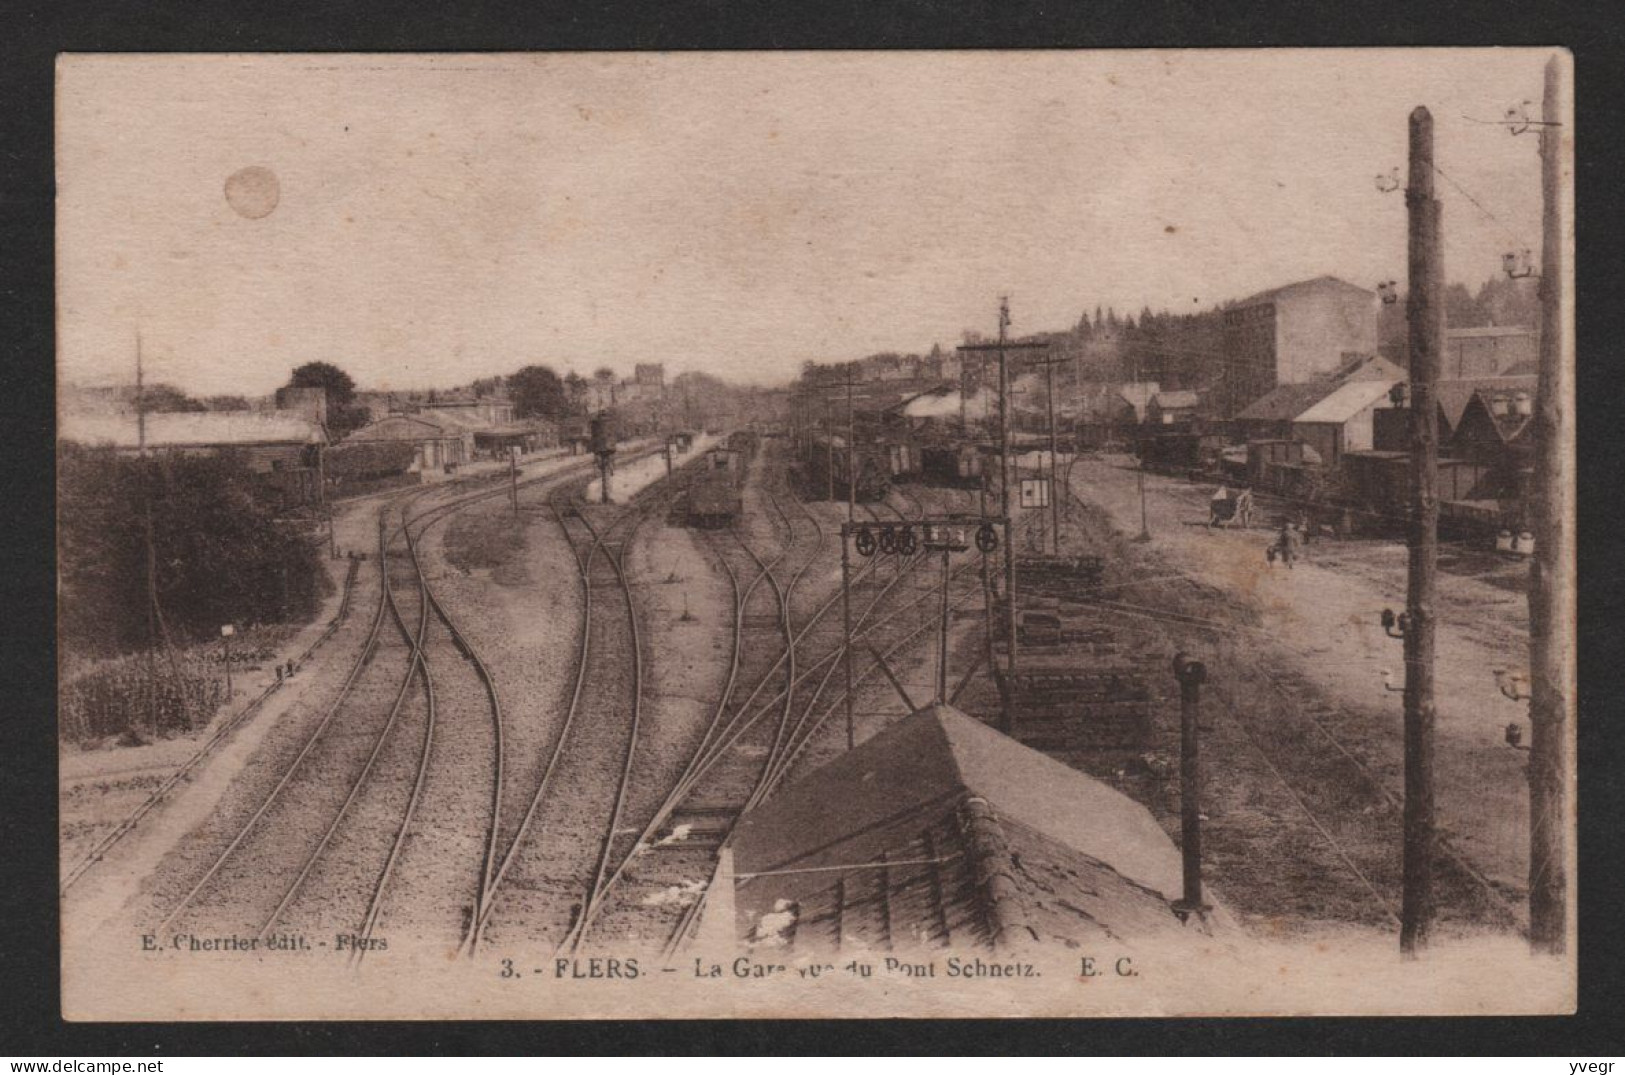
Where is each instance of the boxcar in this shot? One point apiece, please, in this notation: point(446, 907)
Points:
point(714, 496)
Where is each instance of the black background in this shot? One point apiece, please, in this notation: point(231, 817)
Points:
point(32, 33)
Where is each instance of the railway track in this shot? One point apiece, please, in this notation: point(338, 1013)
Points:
point(762, 651)
point(403, 793)
point(574, 812)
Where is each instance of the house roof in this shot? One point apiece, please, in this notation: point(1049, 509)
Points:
point(1285, 402)
point(903, 834)
point(1138, 394)
point(1171, 400)
point(1318, 283)
point(1489, 331)
point(1345, 402)
point(188, 430)
point(1455, 394)
point(1508, 427)
point(1288, 401)
point(409, 427)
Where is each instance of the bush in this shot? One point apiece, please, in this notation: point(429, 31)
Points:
point(222, 553)
point(369, 459)
point(116, 697)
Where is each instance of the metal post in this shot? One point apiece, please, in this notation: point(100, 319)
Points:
point(327, 505)
point(1191, 674)
point(1054, 456)
point(225, 641)
point(1551, 607)
point(1426, 325)
point(1004, 483)
point(942, 648)
point(846, 628)
point(513, 480)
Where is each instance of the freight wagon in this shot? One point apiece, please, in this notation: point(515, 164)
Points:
point(958, 467)
point(715, 497)
point(825, 463)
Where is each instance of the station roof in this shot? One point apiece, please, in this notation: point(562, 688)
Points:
point(901, 835)
point(192, 430)
point(1345, 402)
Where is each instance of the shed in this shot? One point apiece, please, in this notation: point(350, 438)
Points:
point(942, 833)
point(1342, 422)
point(266, 442)
point(440, 442)
point(1172, 408)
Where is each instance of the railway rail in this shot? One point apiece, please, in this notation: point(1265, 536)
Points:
point(437, 641)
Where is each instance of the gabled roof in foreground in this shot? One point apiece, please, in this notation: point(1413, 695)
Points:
point(943, 832)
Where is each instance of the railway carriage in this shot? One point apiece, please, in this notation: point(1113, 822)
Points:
point(715, 490)
point(825, 462)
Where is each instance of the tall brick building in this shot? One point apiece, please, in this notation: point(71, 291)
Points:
point(1291, 335)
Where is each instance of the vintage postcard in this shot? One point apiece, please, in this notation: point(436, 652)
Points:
point(816, 534)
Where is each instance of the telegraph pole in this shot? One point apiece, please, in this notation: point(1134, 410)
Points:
point(1426, 331)
point(513, 477)
point(152, 552)
point(851, 448)
point(1551, 608)
point(829, 443)
point(327, 507)
point(1049, 363)
point(1000, 348)
point(1139, 452)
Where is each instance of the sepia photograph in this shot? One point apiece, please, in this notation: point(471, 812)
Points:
point(816, 534)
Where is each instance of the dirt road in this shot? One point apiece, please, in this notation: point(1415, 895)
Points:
point(1320, 628)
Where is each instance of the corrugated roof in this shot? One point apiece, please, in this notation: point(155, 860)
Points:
point(191, 430)
point(1346, 402)
point(1087, 862)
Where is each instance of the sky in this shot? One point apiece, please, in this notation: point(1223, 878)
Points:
point(436, 219)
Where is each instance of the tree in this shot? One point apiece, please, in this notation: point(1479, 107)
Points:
point(537, 393)
point(343, 415)
point(575, 391)
point(166, 398)
point(226, 403)
point(1460, 308)
point(224, 553)
point(338, 385)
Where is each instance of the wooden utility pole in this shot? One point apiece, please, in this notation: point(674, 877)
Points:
point(327, 507)
point(1551, 609)
point(513, 477)
point(846, 630)
point(829, 443)
point(151, 543)
point(848, 382)
point(1139, 450)
point(851, 447)
point(1000, 348)
point(1190, 674)
point(1425, 317)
